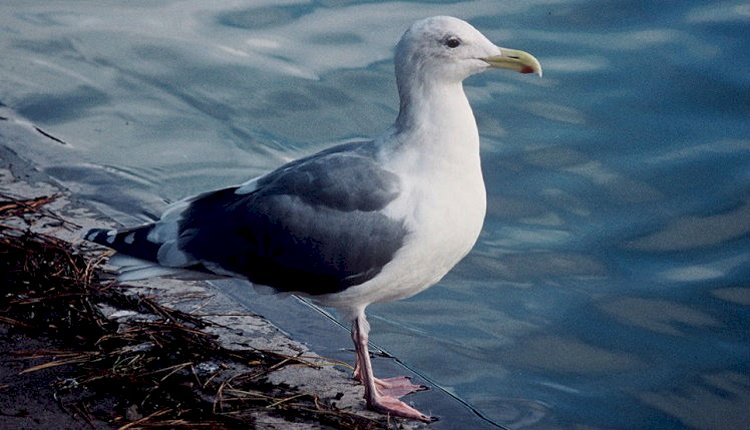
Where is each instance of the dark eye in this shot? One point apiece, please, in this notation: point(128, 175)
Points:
point(452, 42)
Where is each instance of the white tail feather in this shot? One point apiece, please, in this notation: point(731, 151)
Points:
point(134, 269)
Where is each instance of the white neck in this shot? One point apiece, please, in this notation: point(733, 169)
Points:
point(437, 121)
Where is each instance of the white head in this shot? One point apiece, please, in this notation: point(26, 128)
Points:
point(447, 49)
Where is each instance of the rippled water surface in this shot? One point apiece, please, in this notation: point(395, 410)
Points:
point(610, 286)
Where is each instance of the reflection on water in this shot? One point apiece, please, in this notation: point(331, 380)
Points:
point(715, 401)
point(659, 316)
point(609, 288)
point(698, 231)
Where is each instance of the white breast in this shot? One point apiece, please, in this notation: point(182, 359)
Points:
point(444, 206)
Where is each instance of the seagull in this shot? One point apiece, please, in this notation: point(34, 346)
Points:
point(358, 223)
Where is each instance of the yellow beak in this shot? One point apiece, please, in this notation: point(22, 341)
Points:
point(512, 59)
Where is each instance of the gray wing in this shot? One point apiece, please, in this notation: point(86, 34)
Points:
point(315, 225)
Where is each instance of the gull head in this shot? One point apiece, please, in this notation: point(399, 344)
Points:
point(447, 49)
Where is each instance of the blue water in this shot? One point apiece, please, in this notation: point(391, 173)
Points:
point(610, 287)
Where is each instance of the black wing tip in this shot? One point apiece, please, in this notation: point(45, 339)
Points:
point(130, 241)
point(102, 236)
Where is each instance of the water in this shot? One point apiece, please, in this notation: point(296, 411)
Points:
point(609, 288)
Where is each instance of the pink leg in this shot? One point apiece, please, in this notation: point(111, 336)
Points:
point(397, 387)
point(384, 402)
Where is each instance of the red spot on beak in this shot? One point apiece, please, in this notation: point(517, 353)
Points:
point(527, 69)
